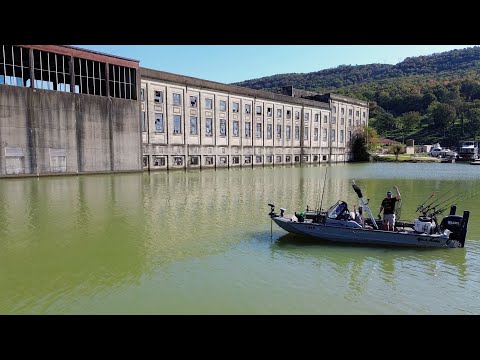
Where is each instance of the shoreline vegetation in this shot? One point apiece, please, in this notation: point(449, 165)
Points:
point(403, 158)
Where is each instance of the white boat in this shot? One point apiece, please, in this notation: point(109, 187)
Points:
point(336, 224)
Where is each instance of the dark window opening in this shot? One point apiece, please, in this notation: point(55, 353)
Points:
point(14, 66)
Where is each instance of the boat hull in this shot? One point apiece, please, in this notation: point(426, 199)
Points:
point(359, 235)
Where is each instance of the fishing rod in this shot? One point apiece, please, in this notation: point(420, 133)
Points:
point(323, 191)
point(421, 206)
point(365, 205)
point(463, 197)
point(428, 208)
point(440, 197)
point(317, 203)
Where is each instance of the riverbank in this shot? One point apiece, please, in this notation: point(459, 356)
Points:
point(403, 158)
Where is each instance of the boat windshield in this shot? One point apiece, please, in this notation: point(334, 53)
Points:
point(337, 210)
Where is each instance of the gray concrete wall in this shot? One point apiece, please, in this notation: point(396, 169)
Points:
point(46, 132)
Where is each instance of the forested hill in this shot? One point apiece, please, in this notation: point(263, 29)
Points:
point(433, 98)
point(448, 64)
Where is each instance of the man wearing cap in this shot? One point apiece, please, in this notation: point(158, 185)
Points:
point(388, 208)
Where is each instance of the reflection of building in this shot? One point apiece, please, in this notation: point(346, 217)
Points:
point(68, 110)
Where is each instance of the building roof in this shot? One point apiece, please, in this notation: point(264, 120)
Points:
point(86, 54)
point(237, 90)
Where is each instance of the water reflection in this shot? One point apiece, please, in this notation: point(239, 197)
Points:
point(173, 241)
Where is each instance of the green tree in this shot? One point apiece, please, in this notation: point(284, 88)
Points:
point(359, 148)
point(443, 115)
point(396, 150)
point(473, 124)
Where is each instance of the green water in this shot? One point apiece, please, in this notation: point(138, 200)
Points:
point(199, 242)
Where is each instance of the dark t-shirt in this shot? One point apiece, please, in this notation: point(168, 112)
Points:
point(389, 205)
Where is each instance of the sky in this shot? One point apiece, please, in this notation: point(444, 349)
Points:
point(234, 63)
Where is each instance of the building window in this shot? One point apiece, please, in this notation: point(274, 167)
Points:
point(349, 135)
point(279, 131)
point(178, 160)
point(279, 113)
point(176, 99)
point(142, 94)
point(144, 122)
point(278, 159)
point(350, 112)
point(122, 79)
point(297, 158)
point(159, 123)
point(334, 109)
point(15, 68)
point(248, 108)
point(235, 159)
point(307, 116)
point(258, 159)
point(177, 124)
point(208, 104)
point(248, 159)
point(363, 122)
point(193, 125)
point(287, 158)
point(258, 133)
point(297, 115)
point(297, 133)
point(357, 122)
point(194, 160)
point(315, 158)
point(317, 117)
point(363, 114)
point(158, 161)
point(269, 111)
point(342, 121)
point(305, 133)
point(158, 97)
point(235, 107)
point(287, 133)
point(315, 134)
point(324, 157)
point(193, 101)
point(208, 160)
point(223, 160)
point(223, 127)
point(269, 159)
point(349, 122)
point(259, 110)
point(325, 119)
point(145, 161)
point(342, 110)
point(289, 114)
point(332, 135)
point(247, 129)
point(208, 127)
point(269, 131)
point(223, 105)
point(357, 113)
point(341, 136)
point(324, 137)
point(235, 128)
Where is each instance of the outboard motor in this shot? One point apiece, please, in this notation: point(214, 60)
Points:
point(457, 225)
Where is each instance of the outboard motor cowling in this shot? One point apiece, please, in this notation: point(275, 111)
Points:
point(454, 223)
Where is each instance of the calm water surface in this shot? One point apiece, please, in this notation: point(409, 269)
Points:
point(199, 242)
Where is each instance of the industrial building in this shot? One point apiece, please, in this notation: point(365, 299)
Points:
point(65, 110)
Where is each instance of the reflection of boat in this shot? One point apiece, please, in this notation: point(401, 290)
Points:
point(336, 224)
point(448, 159)
point(476, 162)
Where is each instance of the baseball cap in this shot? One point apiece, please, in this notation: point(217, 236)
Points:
point(389, 193)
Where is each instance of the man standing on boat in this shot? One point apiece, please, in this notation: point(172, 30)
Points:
point(388, 208)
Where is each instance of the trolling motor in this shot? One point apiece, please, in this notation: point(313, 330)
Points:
point(272, 210)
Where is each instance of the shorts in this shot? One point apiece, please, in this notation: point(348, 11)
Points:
point(389, 218)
